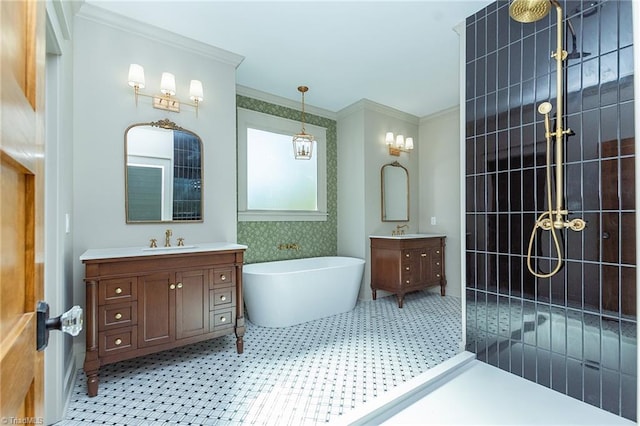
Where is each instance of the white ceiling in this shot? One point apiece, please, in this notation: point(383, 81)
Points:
point(402, 54)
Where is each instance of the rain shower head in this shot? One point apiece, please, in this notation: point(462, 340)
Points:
point(526, 11)
point(575, 54)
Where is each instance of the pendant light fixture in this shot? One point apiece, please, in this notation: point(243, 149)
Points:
point(303, 142)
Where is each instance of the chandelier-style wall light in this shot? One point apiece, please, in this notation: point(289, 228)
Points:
point(166, 100)
point(303, 142)
point(398, 144)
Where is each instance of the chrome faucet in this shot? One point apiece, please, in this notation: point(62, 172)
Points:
point(167, 238)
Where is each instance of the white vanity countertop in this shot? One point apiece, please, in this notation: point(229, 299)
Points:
point(110, 253)
point(407, 236)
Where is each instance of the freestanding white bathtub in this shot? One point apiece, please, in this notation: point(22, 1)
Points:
point(288, 292)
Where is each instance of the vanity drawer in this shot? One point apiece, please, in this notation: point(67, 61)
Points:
point(220, 319)
point(436, 265)
point(222, 297)
point(117, 290)
point(223, 276)
point(117, 315)
point(119, 340)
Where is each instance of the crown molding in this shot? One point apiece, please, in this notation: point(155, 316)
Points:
point(285, 102)
point(368, 105)
point(151, 32)
point(455, 108)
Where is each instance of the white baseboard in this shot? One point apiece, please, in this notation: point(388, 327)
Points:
point(70, 374)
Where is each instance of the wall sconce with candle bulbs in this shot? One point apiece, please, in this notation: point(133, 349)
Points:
point(166, 100)
point(398, 144)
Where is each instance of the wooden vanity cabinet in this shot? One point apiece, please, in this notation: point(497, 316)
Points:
point(140, 305)
point(402, 265)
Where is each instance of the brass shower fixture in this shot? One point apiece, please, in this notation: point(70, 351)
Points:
point(553, 220)
point(527, 11)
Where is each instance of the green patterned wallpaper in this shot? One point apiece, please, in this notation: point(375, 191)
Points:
point(314, 238)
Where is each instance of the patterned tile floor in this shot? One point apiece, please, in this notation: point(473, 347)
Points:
point(301, 375)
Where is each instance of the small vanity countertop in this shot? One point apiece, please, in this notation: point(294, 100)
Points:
point(112, 253)
point(407, 236)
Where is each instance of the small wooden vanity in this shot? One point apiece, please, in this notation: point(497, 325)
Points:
point(141, 301)
point(405, 263)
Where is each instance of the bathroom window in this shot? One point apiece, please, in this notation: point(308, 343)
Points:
point(272, 185)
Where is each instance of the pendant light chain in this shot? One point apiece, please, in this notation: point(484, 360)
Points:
point(303, 89)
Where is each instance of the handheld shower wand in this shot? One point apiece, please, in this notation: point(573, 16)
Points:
point(553, 219)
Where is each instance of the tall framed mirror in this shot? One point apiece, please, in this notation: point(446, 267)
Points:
point(163, 173)
point(395, 192)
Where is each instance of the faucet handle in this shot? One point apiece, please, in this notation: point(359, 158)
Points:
point(153, 243)
point(180, 242)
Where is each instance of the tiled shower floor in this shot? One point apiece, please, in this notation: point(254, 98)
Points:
point(305, 374)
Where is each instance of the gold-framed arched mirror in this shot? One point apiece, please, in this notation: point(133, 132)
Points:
point(395, 192)
point(163, 173)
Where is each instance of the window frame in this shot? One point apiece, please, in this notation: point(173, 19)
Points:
point(271, 123)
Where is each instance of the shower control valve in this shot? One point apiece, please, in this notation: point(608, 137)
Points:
point(545, 224)
point(576, 224)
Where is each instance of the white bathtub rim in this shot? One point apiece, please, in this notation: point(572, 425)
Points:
point(248, 268)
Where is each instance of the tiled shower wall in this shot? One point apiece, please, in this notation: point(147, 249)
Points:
point(574, 332)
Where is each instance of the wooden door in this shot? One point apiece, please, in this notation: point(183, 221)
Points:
point(22, 56)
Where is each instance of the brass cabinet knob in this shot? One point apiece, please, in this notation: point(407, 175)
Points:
point(118, 290)
point(407, 281)
point(437, 263)
point(223, 297)
point(172, 287)
point(407, 268)
point(423, 254)
point(223, 319)
point(223, 277)
point(179, 285)
point(438, 275)
point(118, 342)
point(118, 316)
point(406, 255)
point(437, 251)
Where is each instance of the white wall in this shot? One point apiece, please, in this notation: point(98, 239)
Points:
point(104, 46)
point(361, 154)
point(351, 181)
point(440, 187)
point(58, 274)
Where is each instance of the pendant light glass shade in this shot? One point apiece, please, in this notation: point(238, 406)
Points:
point(303, 146)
